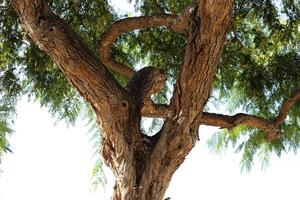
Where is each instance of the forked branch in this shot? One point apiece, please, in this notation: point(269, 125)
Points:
point(270, 127)
point(176, 23)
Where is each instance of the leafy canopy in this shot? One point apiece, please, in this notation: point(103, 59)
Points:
point(260, 65)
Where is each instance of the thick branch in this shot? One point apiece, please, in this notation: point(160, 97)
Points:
point(225, 121)
point(95, 83)
point(222, 121)
point(268, 126)
point(176, 23)
point(229, 122)
point(67, 50)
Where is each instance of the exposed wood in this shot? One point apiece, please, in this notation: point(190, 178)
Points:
point(176, 23)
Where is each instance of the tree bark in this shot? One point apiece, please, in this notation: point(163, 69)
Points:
point(206, 37)
point(143, 166)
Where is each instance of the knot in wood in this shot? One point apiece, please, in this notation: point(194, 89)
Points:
point(144, 83)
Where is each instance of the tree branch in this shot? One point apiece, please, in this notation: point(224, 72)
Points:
point(205, 39)
point(222, 121)
point(176, 23)
point(286, 106)
point(270, 127)
point(66, 49)
point(229, 122)
point(90, 77)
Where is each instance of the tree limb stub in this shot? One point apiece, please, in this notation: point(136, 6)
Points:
point(156, 110)
point(176, 23)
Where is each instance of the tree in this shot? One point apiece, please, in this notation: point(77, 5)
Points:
point(242, 52)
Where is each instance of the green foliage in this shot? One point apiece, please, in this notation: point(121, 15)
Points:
point(4, 131)
point(259, 69)
point(6, 113)
point(98, 176)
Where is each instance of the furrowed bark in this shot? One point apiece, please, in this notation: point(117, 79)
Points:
point(111, 103)
point(206, 37)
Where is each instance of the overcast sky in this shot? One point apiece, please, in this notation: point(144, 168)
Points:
point(54, 163)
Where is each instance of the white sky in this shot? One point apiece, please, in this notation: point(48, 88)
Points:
point(54, 163)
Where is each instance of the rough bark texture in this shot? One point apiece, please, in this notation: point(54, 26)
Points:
point(206, 36)
point(143, 166)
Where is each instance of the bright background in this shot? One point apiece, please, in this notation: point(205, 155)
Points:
point(54, 163)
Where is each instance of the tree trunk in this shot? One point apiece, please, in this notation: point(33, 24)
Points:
point(180, 131)
point(142, 165)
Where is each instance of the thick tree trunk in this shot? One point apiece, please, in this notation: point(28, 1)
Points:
point(143, 166)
